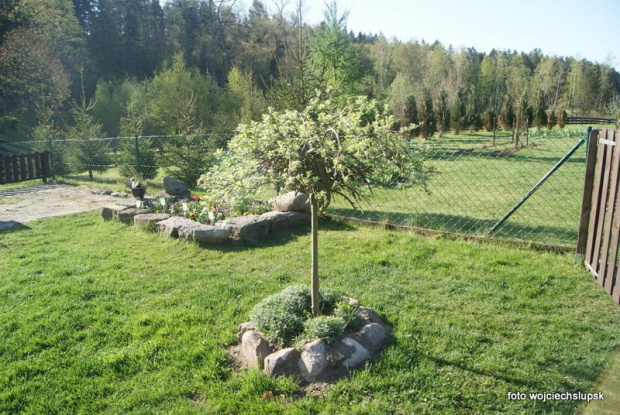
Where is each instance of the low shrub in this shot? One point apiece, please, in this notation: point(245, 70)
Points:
point(286, 315)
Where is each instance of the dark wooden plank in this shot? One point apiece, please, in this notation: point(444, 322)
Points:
point(596, 216)
point(605, 257)
point(602, 207)
point(588, 192)
point(37, 165)
point(596, 196)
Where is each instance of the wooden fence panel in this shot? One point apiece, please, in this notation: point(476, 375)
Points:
point(22, 167)
point(601, 256)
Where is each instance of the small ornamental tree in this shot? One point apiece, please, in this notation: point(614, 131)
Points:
point(323, 151)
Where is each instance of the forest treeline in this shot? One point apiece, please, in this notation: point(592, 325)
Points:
point(132, 67)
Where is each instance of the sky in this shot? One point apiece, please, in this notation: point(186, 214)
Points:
point(586, 29)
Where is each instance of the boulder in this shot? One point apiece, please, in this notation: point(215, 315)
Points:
point(171, 226)
point(204, 234)
point(126, 215)
point(176, 188)
point(292, 202)
point(111, 212)
point(313, 360)
point(370, 315)
point(149, 219)
point(337, 352)
point(255, 348)
point(359, 356)
point(287, 220)
point(253, 228)
point(372, 336)
point(243, 327)
point(282, 362)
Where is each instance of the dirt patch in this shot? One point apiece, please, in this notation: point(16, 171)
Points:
point(19, 206)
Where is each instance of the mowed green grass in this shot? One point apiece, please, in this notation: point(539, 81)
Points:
point(96, 317)
point(470, 191)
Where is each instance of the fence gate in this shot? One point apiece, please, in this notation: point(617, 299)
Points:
point(600, 227)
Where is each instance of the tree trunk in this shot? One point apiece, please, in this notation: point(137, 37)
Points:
point(314, 210)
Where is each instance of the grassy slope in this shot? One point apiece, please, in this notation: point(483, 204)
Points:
point(100, 318)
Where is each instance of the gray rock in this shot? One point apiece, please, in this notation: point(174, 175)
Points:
point(106, 192)
point(252, 228)
point(243, 327)
point(338, 351)
point(287, 220)
point(126, 215)
point(118, 194)
point(373, 335)
point(149, 219)
point(204, 234)
point(211, 235)
point(358, 357)
point(292, 202)
point(111, 212)
point(313, 360)
point(176, 188)
point(255, 348)
point(282, 362)
point(370, 315)
point(171, 226)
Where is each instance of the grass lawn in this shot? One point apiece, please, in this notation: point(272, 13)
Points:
point(96, 317)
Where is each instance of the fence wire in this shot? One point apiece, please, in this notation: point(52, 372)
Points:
point(474, 180)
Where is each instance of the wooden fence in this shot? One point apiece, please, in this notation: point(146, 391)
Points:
point(22, 167)
point(600, 227)
point(590, 120)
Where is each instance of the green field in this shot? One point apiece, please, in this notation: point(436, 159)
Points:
point(97, 317)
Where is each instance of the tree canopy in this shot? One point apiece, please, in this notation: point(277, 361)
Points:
point(327, 149)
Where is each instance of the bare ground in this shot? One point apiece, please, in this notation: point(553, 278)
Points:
point(20, 206)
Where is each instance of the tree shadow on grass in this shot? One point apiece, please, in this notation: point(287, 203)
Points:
point(461, 225)
point(11, 226)
point(282, 237)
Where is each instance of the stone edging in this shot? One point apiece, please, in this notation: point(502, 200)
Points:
point(253, 228)
point(318, 360)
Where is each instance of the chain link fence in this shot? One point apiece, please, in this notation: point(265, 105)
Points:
point(475, 180)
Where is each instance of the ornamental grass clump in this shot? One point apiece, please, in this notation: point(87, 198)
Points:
point(286, 317)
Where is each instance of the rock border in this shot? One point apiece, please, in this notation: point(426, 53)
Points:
point(318, 360)
point(251, 228)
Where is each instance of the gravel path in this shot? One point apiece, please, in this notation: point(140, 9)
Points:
point(25, 204)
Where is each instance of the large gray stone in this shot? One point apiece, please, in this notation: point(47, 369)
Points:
point(313, 360)
point(176, 188)
point(111, 212)
point(373, 336)
point(126, 215)
point(149, 219)
point(337, 352)
point(243, 327)
point(211, 235)
point(359, 356)
point(369, 314)
point(282, 362)
point(204, 234)
point(171, 226)
point(253, 228)
point(287, 220)
point(255, 348)
point(292, 202)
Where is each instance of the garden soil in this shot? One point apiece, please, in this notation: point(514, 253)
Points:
point(22, 205)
